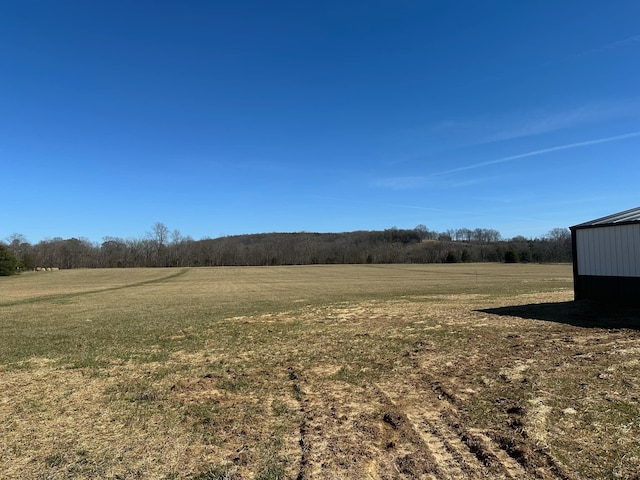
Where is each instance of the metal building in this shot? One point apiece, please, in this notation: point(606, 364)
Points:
point(606, 258)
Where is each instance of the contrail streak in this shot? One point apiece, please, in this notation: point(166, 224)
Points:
point(557, 148)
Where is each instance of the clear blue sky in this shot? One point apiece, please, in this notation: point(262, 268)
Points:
point(230, 117)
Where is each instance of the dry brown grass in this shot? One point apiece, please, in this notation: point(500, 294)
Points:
point(438, 371)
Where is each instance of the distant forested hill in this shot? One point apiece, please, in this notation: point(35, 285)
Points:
point(160, 248)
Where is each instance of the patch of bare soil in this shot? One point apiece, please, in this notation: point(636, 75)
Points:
point(495, 399)
point(349, 431)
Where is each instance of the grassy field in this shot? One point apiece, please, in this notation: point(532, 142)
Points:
point(345, 372)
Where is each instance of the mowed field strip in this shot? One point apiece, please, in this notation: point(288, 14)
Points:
point(303, 372)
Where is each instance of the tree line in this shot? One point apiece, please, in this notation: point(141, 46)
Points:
point(161, 247)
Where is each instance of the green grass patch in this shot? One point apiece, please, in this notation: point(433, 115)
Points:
point(220, 372)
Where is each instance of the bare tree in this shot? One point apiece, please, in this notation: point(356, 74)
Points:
point(15, 240)
point(176, 252)
point(159, 233)
point(113, 252)
point(559, 234)
point(560, 244)
point(176, 236)
point(422, 230)
point(159, 236)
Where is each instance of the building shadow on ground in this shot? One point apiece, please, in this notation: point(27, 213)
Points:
point(577, 313)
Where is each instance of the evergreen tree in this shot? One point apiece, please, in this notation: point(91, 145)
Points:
point(451, 258)
point(511, 256)
point(8, 262)
point(525, 256)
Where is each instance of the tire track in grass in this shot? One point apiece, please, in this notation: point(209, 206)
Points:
point(448, 458)
point(458, 452)
point(303, 441)
point(66, 296)
point(351, 431)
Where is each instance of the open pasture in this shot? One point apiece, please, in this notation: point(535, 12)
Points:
point(345, 372)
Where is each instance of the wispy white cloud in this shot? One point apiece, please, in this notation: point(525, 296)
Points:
point(413, 182)
point(568, 146)
point(418, 207)
point(420, 181)
point(520, 124)
point(536, 123)
point(631, 41)
point(625, 42)
point(452, 134)
point(402, 183)
point(473, 181)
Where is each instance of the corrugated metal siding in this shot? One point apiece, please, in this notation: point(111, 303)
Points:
point(609, 251)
